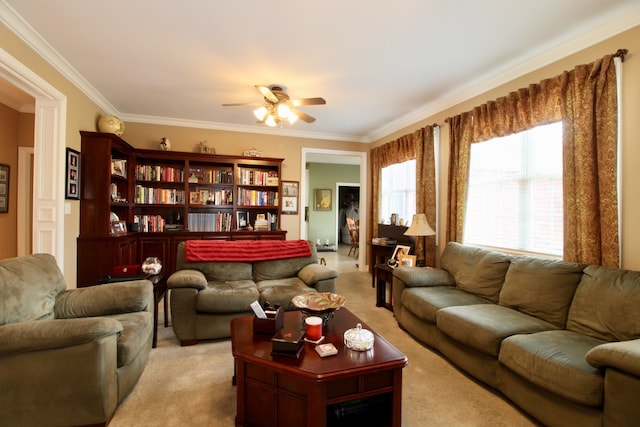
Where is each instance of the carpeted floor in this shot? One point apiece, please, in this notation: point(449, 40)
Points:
point(191, 386)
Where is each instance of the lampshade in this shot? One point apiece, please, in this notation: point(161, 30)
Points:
point(419, 226)
point(260, 113)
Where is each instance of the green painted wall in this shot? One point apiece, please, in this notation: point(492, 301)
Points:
point(323, 224)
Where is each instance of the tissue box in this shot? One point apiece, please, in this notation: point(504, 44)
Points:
point(271, 324)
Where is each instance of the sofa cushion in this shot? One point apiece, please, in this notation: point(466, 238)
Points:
point(555, 361)
point(276, 269)
point(424, 303)
point(478, 271)
point(227, 297)
point(541, 287)
point(28, 288)
point(280, 291)
point(484, 326)
point(606, 303)
point(136, 329)
point(223, 271)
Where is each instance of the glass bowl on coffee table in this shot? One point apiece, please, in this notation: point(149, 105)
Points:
point(321, 304)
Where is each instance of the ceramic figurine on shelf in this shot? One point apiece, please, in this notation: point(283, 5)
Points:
point(165, 144)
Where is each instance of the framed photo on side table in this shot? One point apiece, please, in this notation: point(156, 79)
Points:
point(407, 261)
point(4, 188)
point(72, 187)
point(398, 252)
point(290, 197)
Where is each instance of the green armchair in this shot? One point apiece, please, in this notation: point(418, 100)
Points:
point(68, 357)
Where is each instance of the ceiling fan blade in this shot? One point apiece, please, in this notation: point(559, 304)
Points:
point(245, 104)
point(303, 116)
point(266, 92)
point(308, 101)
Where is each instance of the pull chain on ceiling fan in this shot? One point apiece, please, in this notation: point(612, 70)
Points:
point(278, 107)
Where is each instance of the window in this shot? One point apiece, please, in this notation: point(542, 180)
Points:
point(398, 191)
point(514, 196)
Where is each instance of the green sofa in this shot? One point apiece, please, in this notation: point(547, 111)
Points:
point(559, 339)
point(207, 295)
point(68, 357)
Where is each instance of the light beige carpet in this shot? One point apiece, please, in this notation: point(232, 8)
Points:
point(191, 386)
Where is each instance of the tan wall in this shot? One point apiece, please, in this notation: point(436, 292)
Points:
point(9, 141)
point(630, 131)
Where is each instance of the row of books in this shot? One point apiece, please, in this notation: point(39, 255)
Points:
point(159, 196)
point(219, 221)
point(210, 176)
point(159, 173)
point(257, 177)
point(149, 223)
point(248, 197)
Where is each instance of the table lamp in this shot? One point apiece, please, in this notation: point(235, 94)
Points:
point(419, 227)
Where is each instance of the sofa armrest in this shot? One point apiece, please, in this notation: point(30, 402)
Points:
point(314, 273)
point(187, 278)
point(421, 277)
point(38, 335)
point(104, 300)
point(622, 355)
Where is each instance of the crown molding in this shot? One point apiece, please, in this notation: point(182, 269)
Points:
point(263, 130)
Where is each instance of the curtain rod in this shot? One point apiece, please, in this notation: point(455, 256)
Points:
point(621, 54)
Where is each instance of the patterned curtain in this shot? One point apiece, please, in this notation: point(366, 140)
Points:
point(419, 146)
point(585, 100)
point(426, 190)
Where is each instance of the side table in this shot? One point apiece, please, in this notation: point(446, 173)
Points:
point(159, 282)
point(381, 277)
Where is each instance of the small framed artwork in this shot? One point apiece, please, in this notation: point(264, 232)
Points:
point(290, 197)
point(4, 188)
point(322, 199)
point(72, 187)
point(204, 195)
point(407, 261)
point(242, 219)
point(195, 198)
point(118, 227)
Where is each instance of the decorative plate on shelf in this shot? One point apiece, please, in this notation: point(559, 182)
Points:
point(113, 217)
point(318, 302)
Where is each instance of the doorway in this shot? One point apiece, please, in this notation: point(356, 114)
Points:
point(310, 155)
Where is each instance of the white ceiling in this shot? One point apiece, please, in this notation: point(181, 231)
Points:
point(381, 66)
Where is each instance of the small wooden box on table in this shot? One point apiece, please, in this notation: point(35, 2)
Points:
point(349, 388)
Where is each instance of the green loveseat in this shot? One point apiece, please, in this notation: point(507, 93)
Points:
point(207, 295)
point(559, 339)
point(68, 357)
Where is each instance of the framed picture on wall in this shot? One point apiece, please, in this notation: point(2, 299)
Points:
point(290, 197)
point(4, 188)
point(322, 199)
point(72, 187)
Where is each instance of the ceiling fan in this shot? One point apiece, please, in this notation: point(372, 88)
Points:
point(277, 106)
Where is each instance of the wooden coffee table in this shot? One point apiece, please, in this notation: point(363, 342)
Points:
point(352, 386)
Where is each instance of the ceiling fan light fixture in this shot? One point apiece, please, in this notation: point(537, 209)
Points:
point(283, 110)
point(260, 113)
point(292, 118)
point(271, 121)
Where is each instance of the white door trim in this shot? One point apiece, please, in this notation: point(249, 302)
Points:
point(49, 149)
